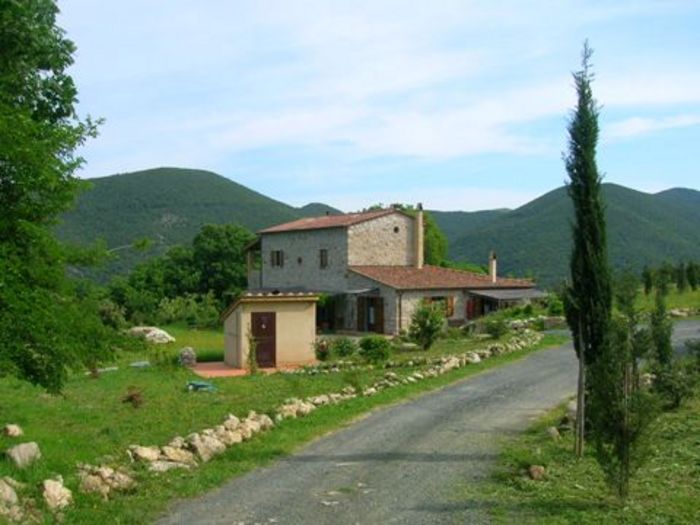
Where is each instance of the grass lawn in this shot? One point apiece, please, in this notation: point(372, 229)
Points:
point(675, 299)
point(90, 423)
point(665, 490)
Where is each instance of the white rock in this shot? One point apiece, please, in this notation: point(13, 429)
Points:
point(24, 454)
point(178, 442)
point(152, 334)
point(12, 431)
point(205, 446)
point(8, 496)
point(56, 496)
point(146, 454)
point(177, 455)
point(370, 391)
point(232, 422)
point(164, 466)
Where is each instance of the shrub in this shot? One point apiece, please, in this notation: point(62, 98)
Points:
point(343, 347)
point(675, 382)
point(496, 328)
point(427, 322)
point(198, 311)
point(375, 348)
point(321, 349)
point(555, 307)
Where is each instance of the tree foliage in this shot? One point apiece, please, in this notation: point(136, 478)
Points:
point(427, 321)
point(45, 329)
point(191, 280)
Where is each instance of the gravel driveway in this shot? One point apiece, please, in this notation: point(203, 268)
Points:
point(399, 464)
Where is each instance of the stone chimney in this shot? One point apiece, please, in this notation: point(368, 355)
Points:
point(493, 267)
point(418, 237)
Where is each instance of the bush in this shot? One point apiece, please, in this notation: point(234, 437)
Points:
point(343, 347)
point(676, 382)
point(375, 348)
point(322, 349)
point(427, 322)
point(496, 328)
point(555, 307)
point(197, 311)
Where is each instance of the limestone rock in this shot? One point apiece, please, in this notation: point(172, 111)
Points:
point(553, 432)
point(205, 446)
point(103, 480)
point(152, 334)
point(55, 495)
point(177, 455)
point(232, 422)
point(24, 454)
point(536, 472)
point(164, 466)
point(8, 496)
point(12, 431)
point(473, 358)
point(178, 442)
point(187, 357)
point(145, 454)
point(370, 391)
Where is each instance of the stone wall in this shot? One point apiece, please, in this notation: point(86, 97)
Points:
point(385, 241)
point(301, 260)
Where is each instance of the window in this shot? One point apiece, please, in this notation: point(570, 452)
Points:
point(448, 304)
point(323, 258)
point(396, 229)
point(277, 258)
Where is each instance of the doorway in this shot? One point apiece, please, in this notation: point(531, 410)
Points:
point(264, 332)
point(370, 314)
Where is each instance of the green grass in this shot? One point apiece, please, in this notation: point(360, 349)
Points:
point(665, 490)
point(675, 299)
point(208, 343)
point(90, 423)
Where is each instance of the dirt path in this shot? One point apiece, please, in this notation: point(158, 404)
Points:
point(399, 465)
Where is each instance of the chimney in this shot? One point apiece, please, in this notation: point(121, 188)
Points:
point(493, 267)
point(418, 236)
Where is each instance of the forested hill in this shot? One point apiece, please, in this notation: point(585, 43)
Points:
point(535, 238)
point(168, 206)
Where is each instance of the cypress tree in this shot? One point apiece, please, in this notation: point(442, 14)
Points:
point(589, 295)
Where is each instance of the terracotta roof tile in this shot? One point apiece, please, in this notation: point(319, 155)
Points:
point(434, 277)
point(327, 221)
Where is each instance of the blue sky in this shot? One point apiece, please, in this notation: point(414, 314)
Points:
point(457, 104)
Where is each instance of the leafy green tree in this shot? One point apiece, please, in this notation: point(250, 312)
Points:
point(588, 300)
point(427, 321)
point(45, 329)
point(693, 275)
point(681, 277)
point(219, 256)
point(661, 330)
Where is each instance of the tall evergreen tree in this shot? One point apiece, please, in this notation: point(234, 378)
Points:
point(647, 279)
point(589, 295)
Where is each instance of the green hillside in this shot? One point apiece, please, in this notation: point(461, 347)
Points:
point(456, 224)
point(166, 205)
point(317, 209)
point(535, 238)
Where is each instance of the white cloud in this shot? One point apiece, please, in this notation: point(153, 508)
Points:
point(634, 126)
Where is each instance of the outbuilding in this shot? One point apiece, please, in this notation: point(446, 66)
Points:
point(283, 326)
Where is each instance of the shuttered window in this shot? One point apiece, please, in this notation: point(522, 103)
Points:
point(277, 258)
point(323, 258)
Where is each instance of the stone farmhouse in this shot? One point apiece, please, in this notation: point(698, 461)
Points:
point(370, 267)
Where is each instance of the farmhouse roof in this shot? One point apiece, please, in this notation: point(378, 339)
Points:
point(435, 278)
point(328, 221)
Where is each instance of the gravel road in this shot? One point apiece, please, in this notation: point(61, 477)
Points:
point(400, 464)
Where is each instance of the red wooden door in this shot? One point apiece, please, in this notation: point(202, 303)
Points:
point(264, 332)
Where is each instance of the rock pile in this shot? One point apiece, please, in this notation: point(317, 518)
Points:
point(56, 496)
point(103, 480)
point(152, 334)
